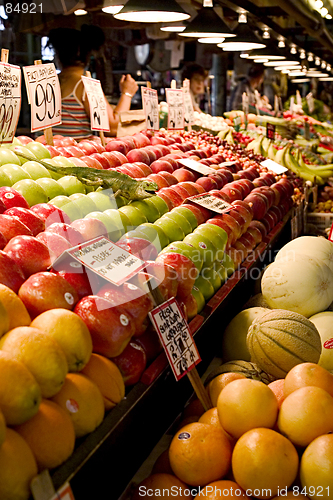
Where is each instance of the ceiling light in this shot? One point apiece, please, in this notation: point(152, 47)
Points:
point(244, 55)
point(328, 16)
point(281, 44)
point(310, 57)
point(300, 80)
point(297, 73)
point(328, 67)
point(318, 4)
point(302, 54)
point(112, 9)
point(211, 40)
point(323, 65)
point(282, 63)
point(158, 11)
point(293, 49)
point(270, 52)
point(246, 40)
point(314, 74)
point(242, 17)
point(260, 61)
point(284, 71)
point(323, 11)
point(173, 29)
point(207, 24)
point(317, 61)
point(326, 79)
point(80, 12)
point(266, 34)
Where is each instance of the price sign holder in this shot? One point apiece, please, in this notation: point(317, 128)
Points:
point(270, 131)
point(196, 166)
point(42, 488)
point(273, 166)
point(210, 202)
point(10, 98)
point(101, 132)
point(177, 341)
point(150, 107)
point(175, 100)
point(188, 105)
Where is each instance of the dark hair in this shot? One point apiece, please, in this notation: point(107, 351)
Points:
point(73, 46)
point(193, 69)
point(255, 71)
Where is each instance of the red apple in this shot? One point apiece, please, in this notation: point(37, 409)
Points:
point(244, 204)
point(12, 226)
point(28, 218)
point(170, 178)
point(75, 151)
point(132, 363)
point(186, 271)
point(30, 254)
point(277, 211)
point(226, 172)
point(116, 145)
point(121, 157)
point(287, 184)
point(55, 243)
point(259, 182)
point(3, 241)
point(242, 249)
point(101, 159)
point(164, 149)
point(88, 147)
point(270, 178)
point(223, 225)
point(268, 192)
point(140, 140)
point(174, 197)
point(233, 223)
point(258, 205)
point(181, 191)
point(167, 200)
point(79, 281)
point(269, 221)
point(260, 226)
point(159, 179)
point(248, 240)
point(151, 154)
point(11, 274)
point(232, 192)
point(161, 165)
point(191, 188)
point(110, 327)
point(90, 228)
point(244, 213)
point(91, 162)
point(138, 155)
point(98, 145)
point(146, 170)
point(128, 139)
point(50, 214)
point(12, 198)
point(182, 175)
point(24, 139)
point(150, 343)
point(143, 249)
point(158, 153)
point(255, 233)
point(202, 214)
point(112, 159)
point(72, 235)
point(3, 207)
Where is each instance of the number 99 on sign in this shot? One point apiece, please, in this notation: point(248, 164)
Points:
point(6, 118)
point(45, 102)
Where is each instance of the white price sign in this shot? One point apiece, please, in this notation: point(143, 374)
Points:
point(150, 108)
point(175, 336)
point(10, 101)
point(99, 119)
point(273, 166)
point(197, 167)
point(44, 95)
point(211, 202)
point(175, 100)
point(310, 101)
point(188, 107)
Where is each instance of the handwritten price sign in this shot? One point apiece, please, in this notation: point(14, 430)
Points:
point(175, 100)
point(98, 113)
point(44, 95)
point(10, 101)
point(211, 202)
point(188, 107)
point(150, 108)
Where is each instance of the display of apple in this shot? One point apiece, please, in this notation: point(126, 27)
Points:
point(30, 254)
point(11, 274)
point(50, 214)
point(55, 243)
point(12, 198)
point(29, 218)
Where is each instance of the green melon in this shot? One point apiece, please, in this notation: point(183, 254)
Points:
point(249, 370)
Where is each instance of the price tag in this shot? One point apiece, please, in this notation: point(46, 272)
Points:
point(270, 131)
point(188, 107)
point(292, 104)
point(273, 166)
point(44, 95)
point(310, 101)
point(104, 258)
point(227, 163)
point(97, 104)
point(298, 99)
point(196, 166)
point(175, 100)
point(64, 493)
point(150, 108)
point(10, 101)
point(211, 202)
point(175, 336)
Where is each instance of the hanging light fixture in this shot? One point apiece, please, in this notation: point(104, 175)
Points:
point(207, 24)
point(318, 4)
point(290, 63)
point(300, 80)
point(260, 61)
point(80, 12)
point(328, 67)
point(323, 11)
point(246, 40)
point(281, 43)
point(214, 40)
point(266, 34)
point(316, 74)
point(173, 29)
point(326, 79)
point(244, 55)
point(293, 49)
point(310, 57)
point(302, 54)
point(323, 65)
point(112, 7)
point(158, 11)
point(297, 73)
point(242, 17)
point(317, 61)
point(328, 16)
point(270, 52)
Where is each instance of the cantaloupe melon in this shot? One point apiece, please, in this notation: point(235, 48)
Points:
point(234, 336)
point(249, 370)
point(279, 340)
point(314, 246)
point(298, 283)
point(324, 324)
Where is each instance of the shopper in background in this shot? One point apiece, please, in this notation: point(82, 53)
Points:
point(255, 77)
point(73, 51)
point(197, 76)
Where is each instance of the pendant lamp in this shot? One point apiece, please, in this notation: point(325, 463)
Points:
point(207, 24)
point(270, 52)
point(152, 11)
point(245, 40)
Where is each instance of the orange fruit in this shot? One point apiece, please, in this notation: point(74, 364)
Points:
point(306, 414)
point(210, 417)
point(264, 462)
point(246, 404)
point(162, 464)
point(50, 435)
point(2, 428)
point(316, 469)
point(306, 374)
point(107, 377)
point(16, 310)
point(200, 453)
point(4, 320)
point(83, 401)
point(221, 489)
point(17, 467)
point(218, 383)
point(278, 388)
point(162, 486)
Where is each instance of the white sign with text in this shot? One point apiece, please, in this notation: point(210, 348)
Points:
point(10, 101)
point(175, 100)
point(99, 119)
point(150, 108)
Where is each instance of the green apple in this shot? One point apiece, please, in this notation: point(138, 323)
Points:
point(200, 299)
point(85, 204)
point(36, 170)
point(31, 191)
point(7, 156)
point(148, 234)
point(221, 271)
point(188, 214)
point(102, 201)
point(16, 142)
point(228, 263)
point(14, 172)
point(121, 201)
point(150, 230)
point(121, 221)
point(135, 216)
point(180, 220)
point(187, 250)
point(71, 185)
point(4, 179)
point(38, 149)
point(211, 275)
point(160, 204)
point(68, 206)
point(203, 243)
point(220, 231)
point(205, 287)
point(214, 237)
point(51, 187)
point(114, 233)
point(172, 230)
point(62, 161)
point(148, 209)
point(23, 150)
point(51, 162)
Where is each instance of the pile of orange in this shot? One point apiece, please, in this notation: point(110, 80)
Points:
point(259, 441)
